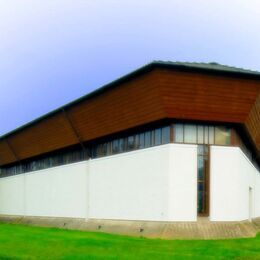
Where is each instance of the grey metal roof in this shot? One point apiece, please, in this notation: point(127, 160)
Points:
point(211, 67)
point(214, 66)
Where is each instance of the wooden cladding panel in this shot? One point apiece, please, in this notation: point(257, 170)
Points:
point(132, 104)
point(207, 97)
point(6, 154)
point(155, 95)
point(253, 122)
point(50, 134)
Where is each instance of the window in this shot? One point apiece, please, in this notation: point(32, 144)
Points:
point(152, 137)
point(158, 136)
point(200, 134)
point(211, 135)
point(141, 141)
point(147, 139)
point(136, 144)
point(121, 145)
point(115, 146)
point(222, 135)
point(100, 151)
point(178, 133)
point(190, 134)
point(206, 134)
point(130, 143)
point(166, 135)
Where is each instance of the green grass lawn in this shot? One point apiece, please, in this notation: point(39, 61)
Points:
point(27, 242)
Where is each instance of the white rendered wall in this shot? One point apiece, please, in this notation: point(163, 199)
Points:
point(183, 182)
point(12, 195)
point(157, 183)
point(257, 196)
point(231, 176)
point(55, 192)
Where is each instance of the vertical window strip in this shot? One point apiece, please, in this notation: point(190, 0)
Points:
point(178, 133)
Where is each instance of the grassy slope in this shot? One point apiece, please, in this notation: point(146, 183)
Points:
point(17, 241)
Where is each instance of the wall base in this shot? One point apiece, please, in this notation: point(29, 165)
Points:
point(202, 229)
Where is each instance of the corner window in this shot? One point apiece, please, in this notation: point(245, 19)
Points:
point(222, 135)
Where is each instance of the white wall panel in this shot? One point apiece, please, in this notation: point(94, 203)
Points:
point(55, 192)
point(59, 191)
point(231, 176)
point(183, 182)
point(257, 196)
point(158, 183)
point(131, 185)
point(12, 195)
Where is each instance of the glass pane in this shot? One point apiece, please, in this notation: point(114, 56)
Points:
point(115, 146)
point(121, 145)
point(206, 134)
point(141, 141)
point(200, 149)
point(200, 201)
point(190, 133)
point(200, 186)
point(130, 143)
point(178, 133)
point(152, 137)
point(105, 149)
point(166, 135)
point(211, 135)
point(147, 139)
point(109, 148)
point(200, 168)
point(136, 146)
point(222, 135)
point(99, 151)
point(200, 134)
point(206, 151)
point(158, 136)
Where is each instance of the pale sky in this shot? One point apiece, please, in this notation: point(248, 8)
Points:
point(54, 51)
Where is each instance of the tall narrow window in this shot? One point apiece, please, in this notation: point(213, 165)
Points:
point(108, 148)
point(121, 145)
point(211, 135)
point(158, 136)
point(130, 143)
point(137, 144)
point(100, 151)
point(203, 181)
point(152, 137)
point(147, 139)
point(141, 140)
point(206, 134)
point(200, 134)
point(190, 134)
point(115, 146)
point(166, 135)
point(178, 133)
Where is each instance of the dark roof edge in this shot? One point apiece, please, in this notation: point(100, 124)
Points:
point(163, 64)
point(211, 68)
